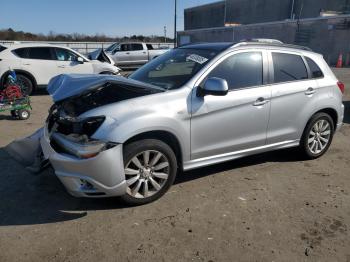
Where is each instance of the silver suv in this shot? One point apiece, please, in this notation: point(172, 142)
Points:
point(194, 106)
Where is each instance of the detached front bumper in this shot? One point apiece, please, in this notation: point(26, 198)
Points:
point(99, 176)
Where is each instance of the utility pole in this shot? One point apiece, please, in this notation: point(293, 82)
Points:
point(175, 40)
point(164, 34)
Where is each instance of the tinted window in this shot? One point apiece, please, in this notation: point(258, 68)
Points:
point(135, 47)
point(124, 47)
point(288, 67)
point(241, 70)
point(21, 52)
point(43, 53)
point(315, 70)
point(65, 55)
point(149, 47)
point(2, 48)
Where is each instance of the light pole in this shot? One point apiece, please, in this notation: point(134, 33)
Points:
point(175, 24)
point(164, 34)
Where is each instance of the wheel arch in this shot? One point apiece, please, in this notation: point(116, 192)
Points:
point(164, 136)
point(21, 72)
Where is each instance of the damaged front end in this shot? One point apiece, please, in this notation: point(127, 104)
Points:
point(85, 165)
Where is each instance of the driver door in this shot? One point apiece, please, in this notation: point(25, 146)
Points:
point(238, 121)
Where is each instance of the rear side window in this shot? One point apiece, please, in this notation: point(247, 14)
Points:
point(43, 53)
point(288, 67)
point(149, 46)
point(21, 52)
point(241, 70)
point(314, 69)
point(2, 48)
point(136, 47)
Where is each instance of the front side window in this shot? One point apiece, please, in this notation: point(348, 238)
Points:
point(124, 47)
point(314, 69)
point(288, 67)
point(174, 68)
point(42, 53)
point(65, 55)
point(241, 70)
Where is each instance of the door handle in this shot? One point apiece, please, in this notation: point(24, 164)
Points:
point(62, 66)
point(261, 101)
point(310, 91)
point(144, 52)
point(128, 53)
point(26, 64)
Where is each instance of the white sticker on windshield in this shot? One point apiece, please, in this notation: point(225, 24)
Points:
point(197, 58)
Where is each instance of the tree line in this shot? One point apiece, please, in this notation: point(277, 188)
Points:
point(12, 35)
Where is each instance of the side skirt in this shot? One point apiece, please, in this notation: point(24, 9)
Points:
point(211, 160)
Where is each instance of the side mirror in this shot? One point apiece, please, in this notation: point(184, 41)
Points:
point(80, 60)
point(213, 86)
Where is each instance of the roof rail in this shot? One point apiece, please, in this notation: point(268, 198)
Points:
point(272, 44)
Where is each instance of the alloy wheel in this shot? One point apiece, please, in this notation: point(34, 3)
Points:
point(146, 173)
point(319, 136)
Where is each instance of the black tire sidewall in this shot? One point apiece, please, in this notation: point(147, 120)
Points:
point(28, 82)
point(130, 150)
point(305, 148)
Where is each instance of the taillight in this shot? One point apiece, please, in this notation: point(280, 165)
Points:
point(341, 86)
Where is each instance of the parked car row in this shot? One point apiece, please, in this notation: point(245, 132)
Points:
point(194, 106)
point(133, 54)
point(36, 64)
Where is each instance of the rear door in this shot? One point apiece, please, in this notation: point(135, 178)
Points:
point(67, 62)
point(40, 61)
point(139, 53)
point(293, 96)
point(237, 121)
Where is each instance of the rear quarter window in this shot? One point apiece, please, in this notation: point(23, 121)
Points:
point(21, 52)
point(2, 48)
point(315, 70)
point(288, 67)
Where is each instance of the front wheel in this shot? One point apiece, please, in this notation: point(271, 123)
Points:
point(317, 136)
point(150, 169)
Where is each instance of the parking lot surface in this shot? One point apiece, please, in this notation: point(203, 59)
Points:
point(270, 207)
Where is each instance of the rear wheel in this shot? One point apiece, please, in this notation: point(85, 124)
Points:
point(150, 169)
point(25, 83)
point(317, 136)
point(23, 114)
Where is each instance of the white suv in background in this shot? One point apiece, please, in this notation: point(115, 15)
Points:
point(36, 64)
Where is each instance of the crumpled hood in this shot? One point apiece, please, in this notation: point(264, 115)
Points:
point(64, 86)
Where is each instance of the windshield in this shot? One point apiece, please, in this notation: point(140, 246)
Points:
point(111, 47)
point(174, 68)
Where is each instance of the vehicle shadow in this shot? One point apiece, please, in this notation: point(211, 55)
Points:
point(285, 155)
point(346, 112)
point(6, 117)
point(27, 199)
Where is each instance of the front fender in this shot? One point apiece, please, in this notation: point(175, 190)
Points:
point(119, 132)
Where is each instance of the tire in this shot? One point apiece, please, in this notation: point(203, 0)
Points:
point(25, 83)
point(313, 143)
point(150, 179)
point(23, 114)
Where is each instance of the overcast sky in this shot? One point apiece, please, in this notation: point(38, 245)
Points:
point(110, 17)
